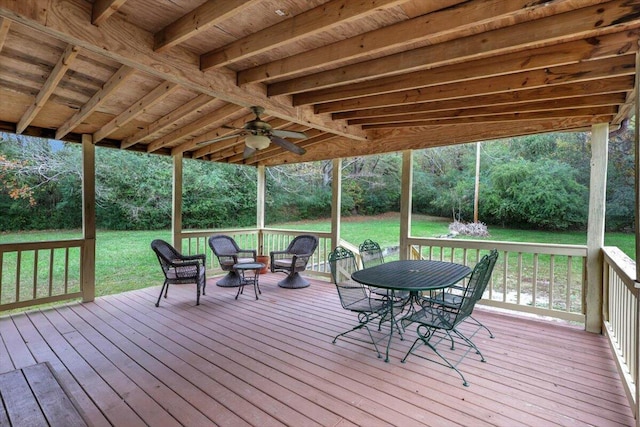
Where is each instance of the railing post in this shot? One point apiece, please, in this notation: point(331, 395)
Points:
point(88, 268)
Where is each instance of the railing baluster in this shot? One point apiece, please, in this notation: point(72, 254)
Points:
point(51, 263)
point(35, 274)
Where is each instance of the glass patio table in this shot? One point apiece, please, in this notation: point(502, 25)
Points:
point(413, 276)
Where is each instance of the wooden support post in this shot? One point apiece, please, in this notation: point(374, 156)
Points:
point(595, 229)
point(176, 207)
point(336, 202)
point(405, 203)
point(88, 219)
point(260, 209)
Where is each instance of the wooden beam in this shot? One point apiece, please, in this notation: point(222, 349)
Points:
point(108, 88)
point(166, 121)
point(548, 94)
point(607, 110)
point(215, 118)
point(103, 9)
point(123, 42)
point(50, 85)
point(544, 57)
point(573, 73)
point(4, 30)
point(592, 21)
point(430, 28)
point(141, 106)
point(381, 140)
point(609, 99)
point(200, 19)
point(314, 21)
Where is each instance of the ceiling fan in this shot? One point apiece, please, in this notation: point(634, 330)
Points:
point(259, 134)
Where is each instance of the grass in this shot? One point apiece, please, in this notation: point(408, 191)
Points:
point(124, 260)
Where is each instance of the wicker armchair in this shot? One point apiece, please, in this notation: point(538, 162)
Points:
point(293, 260)
point(179, 269)
point(230, 254)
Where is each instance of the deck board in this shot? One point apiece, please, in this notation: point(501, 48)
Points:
point(271, 362)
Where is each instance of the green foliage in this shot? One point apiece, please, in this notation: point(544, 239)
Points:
point(536, 194)
point(537, 181)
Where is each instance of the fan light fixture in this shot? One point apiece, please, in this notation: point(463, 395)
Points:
point(257, 142)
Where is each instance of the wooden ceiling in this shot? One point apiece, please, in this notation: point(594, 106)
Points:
point(358, 77)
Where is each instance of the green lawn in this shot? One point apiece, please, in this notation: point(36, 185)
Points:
point(125, 260)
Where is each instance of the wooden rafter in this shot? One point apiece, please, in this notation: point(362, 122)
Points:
point(103, 9)
point(166, 121)
point(128, 44)
point(609, 99)
point(4, 30)
point(141, 106)
point(587, 22)
point(557, 55)
point(573, 73)
point(215, 118)
point(470, 18)
point(50, 85)
point(308, 23)
point(200, 19)
point(547, 94)
point(118, 78)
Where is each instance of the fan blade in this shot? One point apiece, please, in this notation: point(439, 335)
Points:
point(288, 134)
point(248, 152)
point(287, 145)
point(222, 138)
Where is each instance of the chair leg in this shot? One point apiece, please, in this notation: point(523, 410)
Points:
point(482, 326)
point(423, 338)
point(363, 319)
point(165, 289)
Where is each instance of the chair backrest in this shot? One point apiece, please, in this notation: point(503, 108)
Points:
point(165, 253)
point(479, 285)
point(343, 262)
point(303, 244)
point(476, 285)
point(222, 245)
point(370, 253)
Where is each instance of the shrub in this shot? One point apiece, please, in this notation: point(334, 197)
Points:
point(476, 229)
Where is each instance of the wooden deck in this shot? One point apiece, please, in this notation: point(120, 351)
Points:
point(271, 362)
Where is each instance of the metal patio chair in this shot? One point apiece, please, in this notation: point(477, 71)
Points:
point(371, 255)
point(355, 296)
point(438, 322)
point(180, 269)
point(229, 254)
point(452, 295)
point(293, 260)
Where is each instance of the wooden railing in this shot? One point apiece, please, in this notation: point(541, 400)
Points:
point(37, 273)
point(542, 279)
point(620, 317)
